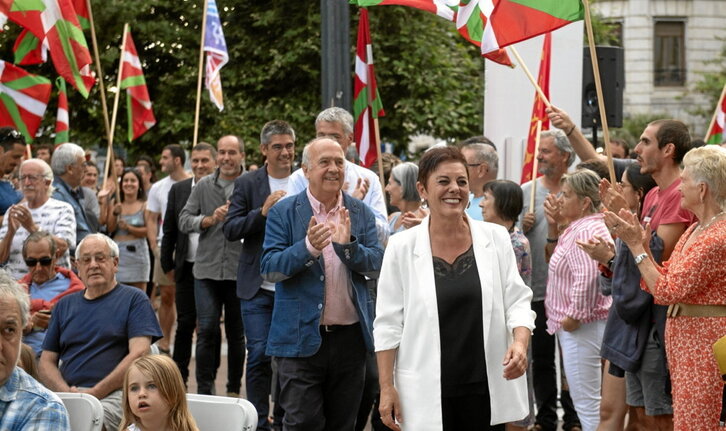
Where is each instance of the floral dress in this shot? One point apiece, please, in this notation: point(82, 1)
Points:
point(695, 276)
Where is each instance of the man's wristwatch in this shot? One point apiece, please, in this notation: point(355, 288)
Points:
point(641, 257)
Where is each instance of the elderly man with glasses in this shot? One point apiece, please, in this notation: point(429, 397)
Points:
point(94, 335)
point(37, 211)
point(46, 283)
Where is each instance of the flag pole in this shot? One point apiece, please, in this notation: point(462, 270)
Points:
point(529, 75)
point(115, 107)
point(199, 76)
point(598, 88)
point(378, 151)
point(533, 191)
point(99, 71)
point(715, 113)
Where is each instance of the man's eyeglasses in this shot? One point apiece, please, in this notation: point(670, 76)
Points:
point(44, 261)
point(99, 258)
point(32, 178)
point(280, 147)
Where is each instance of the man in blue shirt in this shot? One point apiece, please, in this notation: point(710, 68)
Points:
point(97, 333)
point(67, 164)
point(24, 403)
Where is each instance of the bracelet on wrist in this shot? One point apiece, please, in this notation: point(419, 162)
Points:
point(571, 130)
point(641, 257)
point(552, 240)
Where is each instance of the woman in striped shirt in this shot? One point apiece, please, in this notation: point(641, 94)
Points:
point(576, 310)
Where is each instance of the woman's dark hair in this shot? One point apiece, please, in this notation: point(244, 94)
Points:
point(140, 194)
point(436, 156)
point(507, 198)
point(640, 182)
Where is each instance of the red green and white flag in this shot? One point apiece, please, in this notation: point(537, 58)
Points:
point(138, 103)
point(495, 24)
point(56, 22)
point(23, 99)
point(62, 126)
point(367, 101)
point(28, 48)
point(715, 134)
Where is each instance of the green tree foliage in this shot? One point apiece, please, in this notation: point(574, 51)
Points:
point(711, 84)
point(430, 79)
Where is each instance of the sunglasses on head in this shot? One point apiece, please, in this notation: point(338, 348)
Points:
point(44, 261)
point(13, 135)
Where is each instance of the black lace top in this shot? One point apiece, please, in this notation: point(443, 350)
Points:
point(458, 297)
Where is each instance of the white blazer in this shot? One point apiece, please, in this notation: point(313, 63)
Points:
point(407, 319)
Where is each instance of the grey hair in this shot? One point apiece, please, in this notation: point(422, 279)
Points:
point(64, 156)
point(336, 115)
point(11, 289)
point(562, 144)
point(585, 184)
point(38, 236)
point(306, 150)
point(47, 171)
point(275, 127)
point(707, 165)
point(485, 153)
point(109, 242)
point(406, 174)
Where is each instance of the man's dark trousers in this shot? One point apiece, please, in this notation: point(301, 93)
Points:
point(323, 392)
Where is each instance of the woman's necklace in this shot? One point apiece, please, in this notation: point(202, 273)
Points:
point(704, 227)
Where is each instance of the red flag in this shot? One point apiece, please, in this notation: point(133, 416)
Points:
point(62, 131)
point(715, 134)
point(56, 22)
point(23, 99)
point(538, 110)
point(367, 102)
point(138, 103)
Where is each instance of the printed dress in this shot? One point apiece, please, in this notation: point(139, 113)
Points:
point(695, 276)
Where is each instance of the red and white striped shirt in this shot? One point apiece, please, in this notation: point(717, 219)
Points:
point(572, 285)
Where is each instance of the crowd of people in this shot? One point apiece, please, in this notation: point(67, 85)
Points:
point(436, 298)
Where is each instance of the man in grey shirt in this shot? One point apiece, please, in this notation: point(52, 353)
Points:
point(215, 279)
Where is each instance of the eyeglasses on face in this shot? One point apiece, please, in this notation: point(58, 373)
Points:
point(44, 261)
point(99, 258)
point(280, 147)
point(31, 177)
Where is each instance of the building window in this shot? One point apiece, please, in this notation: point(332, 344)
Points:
point(669, 54)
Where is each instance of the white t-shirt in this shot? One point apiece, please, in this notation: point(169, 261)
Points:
point(275, 185)
point(55, 217)
point(158, 197)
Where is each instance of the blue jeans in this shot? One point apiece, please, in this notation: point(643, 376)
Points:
point(210, 296)
point(257, 315)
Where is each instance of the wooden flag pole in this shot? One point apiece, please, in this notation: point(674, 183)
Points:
point(99, 71)
point(115, 108)
point(28, 151)
point(378, 151)
point(199, 76)
point(531, 78)
point(718, 106)
point(598, 88)
point(533, 191)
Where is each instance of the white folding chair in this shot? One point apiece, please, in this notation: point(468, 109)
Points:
point(84, 411)
point(213, 413)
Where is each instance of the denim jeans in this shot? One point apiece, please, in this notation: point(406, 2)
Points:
point(210, 296)
point(257, 315)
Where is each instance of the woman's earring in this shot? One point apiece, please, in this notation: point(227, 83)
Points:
point(424, 203)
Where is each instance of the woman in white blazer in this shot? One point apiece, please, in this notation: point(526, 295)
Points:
point(453, 315)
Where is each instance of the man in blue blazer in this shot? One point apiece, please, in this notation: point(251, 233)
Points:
point(254, 194)
point(319, 246)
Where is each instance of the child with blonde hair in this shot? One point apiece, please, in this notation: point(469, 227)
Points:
point(154, 397)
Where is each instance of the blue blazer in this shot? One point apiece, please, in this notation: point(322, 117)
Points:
point(245, 221)
point(300, 289)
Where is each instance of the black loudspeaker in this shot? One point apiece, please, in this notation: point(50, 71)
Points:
point(612, 77)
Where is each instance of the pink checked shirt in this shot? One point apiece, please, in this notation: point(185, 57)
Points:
point(338, 308)
point(572, 284)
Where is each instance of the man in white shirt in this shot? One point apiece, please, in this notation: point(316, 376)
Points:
point(361, 183)
point(172, 163)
